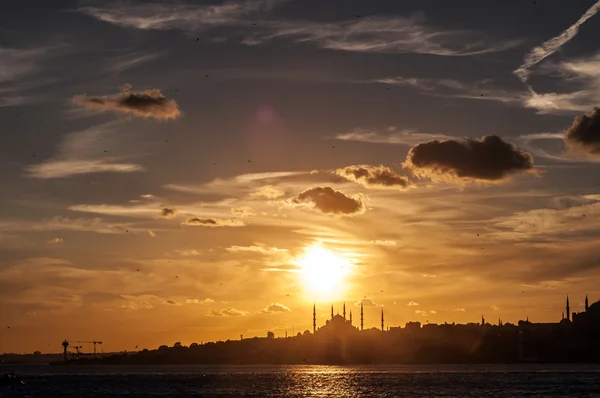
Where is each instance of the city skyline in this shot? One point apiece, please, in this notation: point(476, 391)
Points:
point(197, 170)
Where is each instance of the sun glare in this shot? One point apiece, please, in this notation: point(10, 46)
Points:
point(323, 271)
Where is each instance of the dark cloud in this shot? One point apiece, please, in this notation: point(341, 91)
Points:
point(273, 308)
point(487, 159)
point(212, 222)
point(148, 104)
point(584, 134)
point(227, 312)
point(366, 302)
point(168, 213)
point(328, 200)
point(373, 176)
point(172, 302)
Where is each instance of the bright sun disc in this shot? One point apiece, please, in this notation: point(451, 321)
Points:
point(323, 271)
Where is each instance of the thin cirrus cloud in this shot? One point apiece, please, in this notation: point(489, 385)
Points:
point(146, 104)
point(80, 153)
point(549, 47)
point(185, 17)
point(489, 159)
point(381, 34)
point(483, 90)
point(373, 176)
point(583, 74)
point(328, 200)
point(390, 135)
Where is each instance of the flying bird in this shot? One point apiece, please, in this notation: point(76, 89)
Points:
point(138, 270)
point(251, 162)
point(205, 76)
point(176, 277)
point(214, 163)
point(135, 347)
point(198, 38)
point(477, 234)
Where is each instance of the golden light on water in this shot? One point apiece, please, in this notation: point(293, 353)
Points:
point(323, 272)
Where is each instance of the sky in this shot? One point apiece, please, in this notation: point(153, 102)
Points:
point(199, 170)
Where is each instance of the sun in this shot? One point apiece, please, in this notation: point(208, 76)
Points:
point(323, 271)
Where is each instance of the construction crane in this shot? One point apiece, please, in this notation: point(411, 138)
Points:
point(66, 343)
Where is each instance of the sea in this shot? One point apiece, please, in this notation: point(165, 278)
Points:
point(308, 381)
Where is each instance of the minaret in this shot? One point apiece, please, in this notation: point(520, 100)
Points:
point(586, 303)
point(314, 318)
point(344, 310)
point(482, 320)
point(331, 311)
point(350, 317)
point(382, 329)
point(361, 316)
point(568, 310)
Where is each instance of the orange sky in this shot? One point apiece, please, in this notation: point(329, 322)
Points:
point(201, 172)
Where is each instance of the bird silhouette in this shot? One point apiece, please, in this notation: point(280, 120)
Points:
point(198, 38)
point(8, 327)
point(138, 270)
point(205, 76)
point(477, 234)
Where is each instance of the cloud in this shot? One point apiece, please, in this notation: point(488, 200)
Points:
point(483, 90)
point(70, 168)
point(373, 176)
point(268, 192)
point(380, 34)
point(412, 304)
point(549, 47)
point(130, 60)
point(459, 310)
point(167, 212)
point(55, 241)
point(255, 249)
point(147, 104)
point(330, 201)
point(390, 136)
point(185, 17)
point(243, 211)
point(188, 252)
point(172, 302)
point(367, 302)
point(495, 308)
point(274, 308)
point(584, 134)
point(212, 222)
point(66, 224)
point(151, 233)
point(81, 152)
point(489, 159)
point(196, 301)
point(227, 312)
point(383, 242)
point(16, 69)
point(419, 312)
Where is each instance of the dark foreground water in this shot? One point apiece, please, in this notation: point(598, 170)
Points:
point(311, 381)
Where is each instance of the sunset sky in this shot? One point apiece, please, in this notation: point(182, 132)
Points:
point(200, 170)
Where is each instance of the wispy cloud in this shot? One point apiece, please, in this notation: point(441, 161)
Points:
point(16, 69)
point(185, 17)
point(123, 62)
point(483, 90)
point(391, 135)
point(256, 249)
point(67, 224)
point(82, 152)
point(583, 74)
point(549, 47)
point(381, 34)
